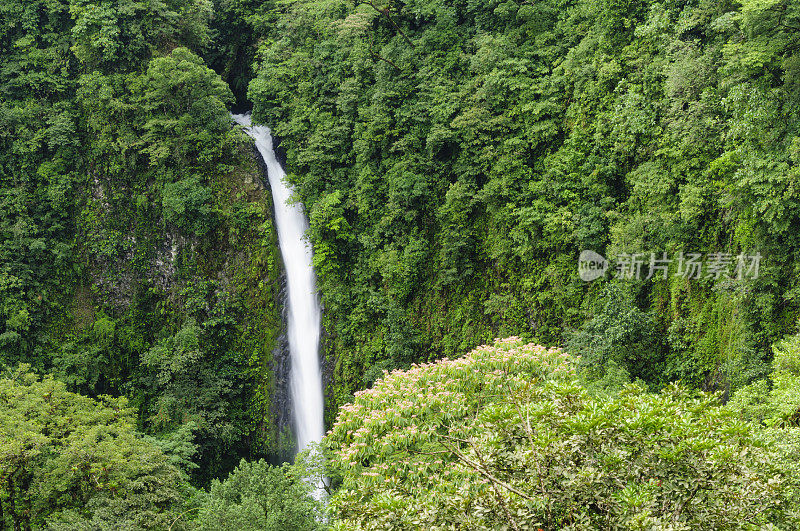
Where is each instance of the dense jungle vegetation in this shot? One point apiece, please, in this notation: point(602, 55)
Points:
point(454, 158)
point(138, 254)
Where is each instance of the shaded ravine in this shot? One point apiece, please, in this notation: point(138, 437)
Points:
point(303, 323)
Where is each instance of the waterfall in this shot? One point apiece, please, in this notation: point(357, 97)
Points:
point(303, 304)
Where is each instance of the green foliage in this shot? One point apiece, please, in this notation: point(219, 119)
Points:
point(185, 204)
point(259, 496)
point(618, 334)
point(185, 106)
point(775, 401)
point(454, 159)
point(115, 35)
point(507, 437)
point(234, 30)
point(189, 386)
point(179, 447)
point(457, 157)
point(773, 404)
point(73, 462)
point(130, 209)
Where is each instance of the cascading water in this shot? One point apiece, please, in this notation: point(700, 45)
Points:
point(303, 304)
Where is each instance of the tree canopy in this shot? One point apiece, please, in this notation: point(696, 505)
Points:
point(68, 461)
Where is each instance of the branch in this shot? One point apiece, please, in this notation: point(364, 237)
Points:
point(497, 493)
point(326, 487)
point(385, 12)
point(529, 431)
point(378, 56)
point(678, 510)
point(477, 467)
point(179, 516)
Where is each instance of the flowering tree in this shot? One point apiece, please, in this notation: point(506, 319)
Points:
point(507, 438)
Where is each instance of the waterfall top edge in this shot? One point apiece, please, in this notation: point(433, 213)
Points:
point(242, 119)
point(245, 121)
point(260, 133)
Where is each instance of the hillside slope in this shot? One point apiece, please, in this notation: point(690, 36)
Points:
point(457, 156)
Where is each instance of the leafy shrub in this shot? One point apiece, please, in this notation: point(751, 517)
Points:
point(617, 338)
point(776, 401)
point(258, 496)
point(186, 204)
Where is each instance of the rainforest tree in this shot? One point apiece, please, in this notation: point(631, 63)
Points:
point(507, 437)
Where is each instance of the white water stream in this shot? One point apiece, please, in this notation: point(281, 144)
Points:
point(304, 308)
